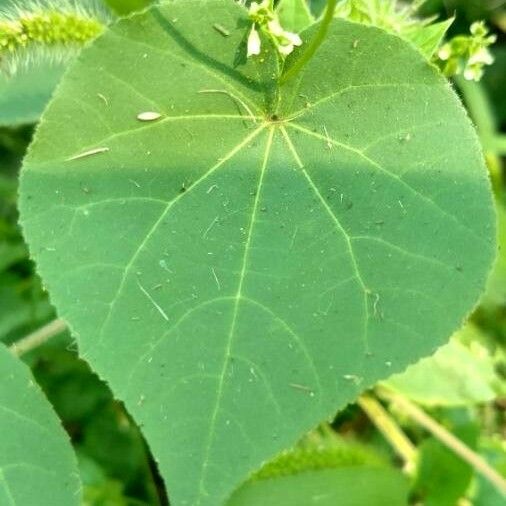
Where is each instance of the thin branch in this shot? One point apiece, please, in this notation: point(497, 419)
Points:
point(447, 438)
point(390, 430)
point(313, 45)
point(38, 338)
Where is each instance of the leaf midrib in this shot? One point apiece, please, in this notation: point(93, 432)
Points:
point(235, 312)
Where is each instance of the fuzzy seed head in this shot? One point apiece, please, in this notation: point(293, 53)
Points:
point(53, 30)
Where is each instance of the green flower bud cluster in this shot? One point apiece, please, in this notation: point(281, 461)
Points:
point(313, 457)
point(467, 55)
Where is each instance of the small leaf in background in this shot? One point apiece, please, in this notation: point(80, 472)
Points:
point(104, 436)
point(428, 38)
point(98, 489)
point(37, 464)
point(442, 477)
point(24, 96)
point(485, 494)
point(456, 375)
point(495, 294)
point(354, 486)
point(495, 82)
point(123, 7)
point(295, 15)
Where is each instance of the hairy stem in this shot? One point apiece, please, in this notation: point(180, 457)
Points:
point(313, 46)
point(447, 438)
point(390, 430)
point(38, 338)
point(480, 108)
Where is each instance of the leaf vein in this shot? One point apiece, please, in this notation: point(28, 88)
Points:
point(230, 340)
point(392, 175)
point(162, 216)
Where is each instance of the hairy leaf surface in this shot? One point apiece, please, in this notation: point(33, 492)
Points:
point(247, 263)
point(37, 464)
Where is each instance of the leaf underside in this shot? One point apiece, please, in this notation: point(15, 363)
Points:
point(248, 263)
point(37, 465)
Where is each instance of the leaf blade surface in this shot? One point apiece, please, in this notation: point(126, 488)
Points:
point(248, 263)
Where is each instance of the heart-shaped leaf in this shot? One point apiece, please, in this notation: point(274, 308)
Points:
point(37, 465)
point(239, 260)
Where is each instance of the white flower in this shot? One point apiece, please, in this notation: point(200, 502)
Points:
point(482, 56)
point(255, 8)
point(254, 42)
point(445, 52)
point(287, 43)
point(265, 19)
point(294, 38)
point(473, 73)
point(274, 28)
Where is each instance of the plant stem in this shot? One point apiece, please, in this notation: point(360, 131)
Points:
point(447, 438)
point(313, 45)
point(389, 428)
point(479, 107)
point(498, 144)
point(38, 338)
point(481, 112)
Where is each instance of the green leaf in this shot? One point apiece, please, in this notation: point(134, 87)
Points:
point(295, 15)
point(24, 96)
point(485, 492)
point(495, 294)
point(354, 486)
point(442, 476)
point(98, 489)
point(316, 453)
point(123, 7)
point(428, 38)
point(37, 465)
point(495, 81)
point(248, 263)
point(457, 375)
